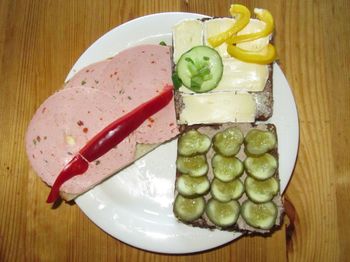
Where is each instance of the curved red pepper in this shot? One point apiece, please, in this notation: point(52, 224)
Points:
point(77, 166)
point(109, 137)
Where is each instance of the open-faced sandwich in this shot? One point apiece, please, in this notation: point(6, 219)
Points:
point(227, 166)
point(227, 177)
point(208, 90)
point(224, 68)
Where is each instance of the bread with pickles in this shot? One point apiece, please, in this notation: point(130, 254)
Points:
point(227, 164)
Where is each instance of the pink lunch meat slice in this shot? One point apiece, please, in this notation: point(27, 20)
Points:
point(89, 76)
point(63, 124)
point(134, 76)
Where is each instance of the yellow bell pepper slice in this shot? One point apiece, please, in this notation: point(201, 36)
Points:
point(264, 16)
point(242, 15)
point(264, 56)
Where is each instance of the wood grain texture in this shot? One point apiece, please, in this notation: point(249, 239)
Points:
point(40, 41)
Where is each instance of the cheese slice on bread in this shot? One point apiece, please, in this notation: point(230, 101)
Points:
point(240, 80)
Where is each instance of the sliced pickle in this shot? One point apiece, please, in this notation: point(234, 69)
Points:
point(228, 142)
point(261, 191)
point(188, 209)
point(258, 142)
point(189, 186)
point(261, 167)
point(223, 214)
point(261, 216)
point(226, 168)
point(192, 165)
point(226, 191)
point(192, 143)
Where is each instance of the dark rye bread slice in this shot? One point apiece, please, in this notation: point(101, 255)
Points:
point(241, 225)
point(263, 99)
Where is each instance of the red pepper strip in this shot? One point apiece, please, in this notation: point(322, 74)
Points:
point(109, 137)
point(77, 166)
point(115, 132)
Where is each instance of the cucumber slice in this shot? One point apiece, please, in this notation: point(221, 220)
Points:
point(261, 191)
point(258, 142)
point(192, 165)
point(222, 214)
point(189, 186)
point(200, 69)
point(261, 167)
point(226, 168)
point(261, 216)
point(228, 142)
point(188, 209)
point(226, 191)
point(193, 142)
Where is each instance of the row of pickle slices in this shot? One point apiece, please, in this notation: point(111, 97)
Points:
point(226, 188)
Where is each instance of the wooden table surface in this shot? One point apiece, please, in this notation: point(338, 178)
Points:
point(40, 41)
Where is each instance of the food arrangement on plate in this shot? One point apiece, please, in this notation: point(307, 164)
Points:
point(208, 90)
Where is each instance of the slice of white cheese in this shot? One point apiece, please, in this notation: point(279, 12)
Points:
point(239, 76)
point(254, 26)
point(186, 34)
point(215, 26)
point(217, 108)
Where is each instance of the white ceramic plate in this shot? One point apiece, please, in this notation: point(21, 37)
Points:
point(135, 206)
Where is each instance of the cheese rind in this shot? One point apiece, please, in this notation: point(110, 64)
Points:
point(220, 107)
point(186, 34)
